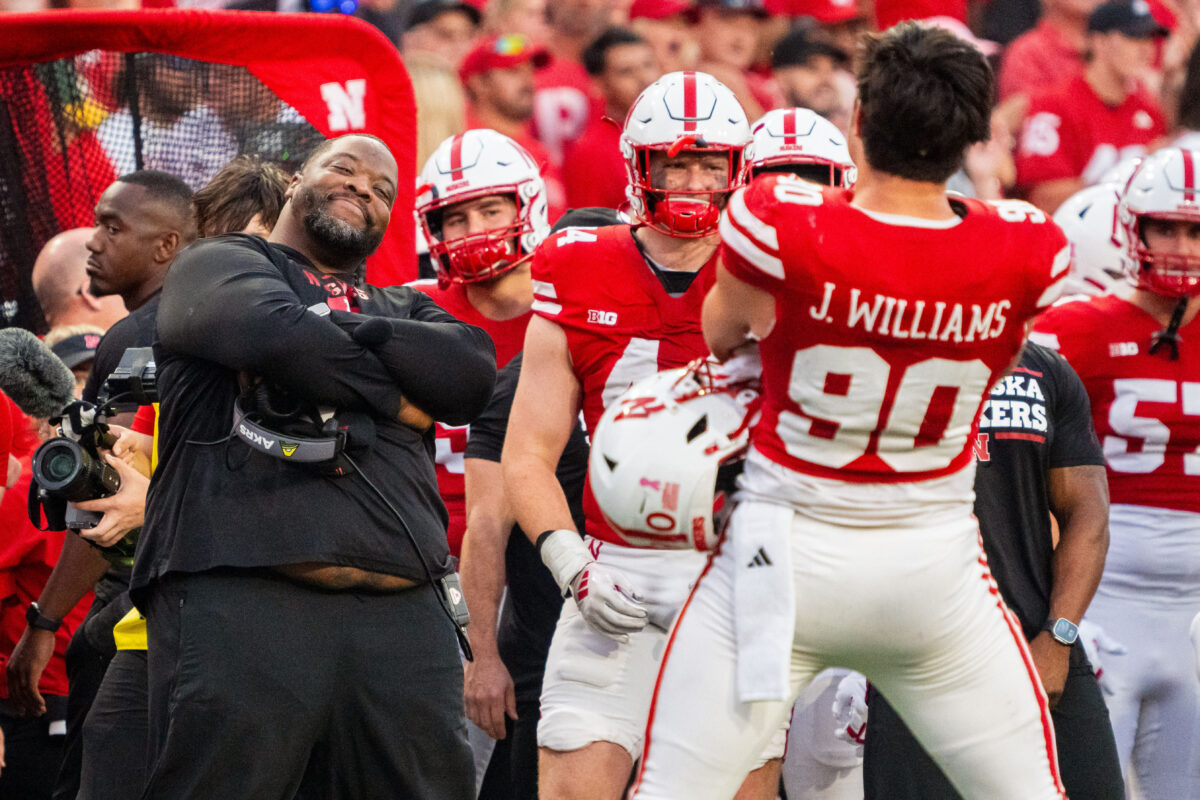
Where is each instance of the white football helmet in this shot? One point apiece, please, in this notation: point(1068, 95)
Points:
point(666, 452)
point(1089, 219)
point(682, 112)
point(477, 164)
point(1165, 186)
point(1120, 174)
point(802, 142)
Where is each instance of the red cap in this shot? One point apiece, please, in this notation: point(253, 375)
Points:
point(826, 12)
point(658, 9)
point(502, 52)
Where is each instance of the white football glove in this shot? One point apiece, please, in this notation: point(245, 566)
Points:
point(850, 711)
point(1098, 644)
point(602, 593)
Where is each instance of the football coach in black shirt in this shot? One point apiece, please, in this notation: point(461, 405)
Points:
point(291, 566)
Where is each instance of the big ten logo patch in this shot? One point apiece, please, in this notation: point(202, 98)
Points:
point(596, 317)
point(1015, 409)
point(346, 103)
point(450, 445)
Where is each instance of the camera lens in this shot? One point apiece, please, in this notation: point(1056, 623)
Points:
point(60, 465)
point(65, 469)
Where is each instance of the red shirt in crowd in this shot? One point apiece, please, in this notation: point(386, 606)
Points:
point(564, 103)
point(889, 12)
point(594, 172)
point(1071, 133)
point(556, 196)
point(27, 556)
point(1038, 59)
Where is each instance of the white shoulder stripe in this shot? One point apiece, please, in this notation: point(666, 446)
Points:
point(1053, 292)
point(755, 227)
point(1062, 260)
point(750, 250)
point(544, 307)
point(545, 289)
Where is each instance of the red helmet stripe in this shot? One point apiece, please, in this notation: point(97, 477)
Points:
point(689, 101)
point(1189, 176)
point(456, 168)
point(789, 127)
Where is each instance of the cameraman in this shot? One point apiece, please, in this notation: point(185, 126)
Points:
point(246, 196)
point(143, 220)
point(363, 696)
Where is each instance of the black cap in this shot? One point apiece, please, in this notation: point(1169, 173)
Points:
point(797, 48)
point(77, 349)
point(426, 10)
point(1129, 17)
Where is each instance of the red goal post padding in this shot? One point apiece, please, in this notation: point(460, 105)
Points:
point(341, 74)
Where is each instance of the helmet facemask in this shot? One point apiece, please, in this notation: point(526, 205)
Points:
point(471, 166)
point(683, 213)
point(483, 256)
point(1167, 274)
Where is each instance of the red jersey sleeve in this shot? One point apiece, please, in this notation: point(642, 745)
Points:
point(1058, 329)
point(750, 236)
point(559, 265)
point(1049, 262)
point(143, 421)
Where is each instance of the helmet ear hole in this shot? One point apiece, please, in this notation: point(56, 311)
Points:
point(612, 465)
point(698, 429)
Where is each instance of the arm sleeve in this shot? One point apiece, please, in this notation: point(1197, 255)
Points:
point(226, 303)
point(143, 420)
point(1052, 269)
point(1075, 443)
point(444, 366)
point(486, 441)
point(749, 238)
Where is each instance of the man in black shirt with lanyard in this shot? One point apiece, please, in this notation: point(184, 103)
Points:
point(143, 220)
point(1036, 451)
point(298, 636)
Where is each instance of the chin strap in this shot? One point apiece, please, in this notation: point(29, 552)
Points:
point(1170, 334)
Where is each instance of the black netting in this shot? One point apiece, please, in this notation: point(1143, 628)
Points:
point(69, 127)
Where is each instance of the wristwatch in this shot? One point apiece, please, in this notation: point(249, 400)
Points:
point(1063, 630)
point(34, 618)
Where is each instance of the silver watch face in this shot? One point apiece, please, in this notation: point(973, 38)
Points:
point(1065, 631)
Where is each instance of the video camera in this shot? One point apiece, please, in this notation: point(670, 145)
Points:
point(69, 468)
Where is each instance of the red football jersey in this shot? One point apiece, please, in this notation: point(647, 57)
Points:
point(450, 441)
point(1146, 408)
point(621, 325)
point(1071, 133)
point(890, 330)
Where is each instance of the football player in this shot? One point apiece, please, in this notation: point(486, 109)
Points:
point(883, 316)
point(800, 142)
point(612, 306)
point(481, 203)
point(824, 754)
point(1139, 359)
